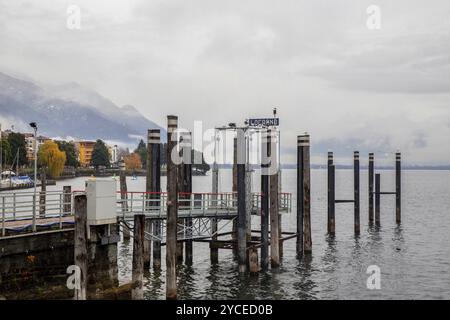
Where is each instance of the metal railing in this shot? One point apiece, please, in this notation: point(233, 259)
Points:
point(24, 210)
point(154, 205)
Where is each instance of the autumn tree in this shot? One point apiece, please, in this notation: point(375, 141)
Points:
point(133, 162)
point(51, 157)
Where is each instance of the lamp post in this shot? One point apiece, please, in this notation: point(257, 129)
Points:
point(34, 126)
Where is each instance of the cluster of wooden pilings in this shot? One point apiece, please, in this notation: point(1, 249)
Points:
point(373, 196)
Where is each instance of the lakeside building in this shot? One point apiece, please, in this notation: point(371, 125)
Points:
point(84, 151)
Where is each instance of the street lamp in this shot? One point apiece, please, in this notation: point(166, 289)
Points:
point(34, 126)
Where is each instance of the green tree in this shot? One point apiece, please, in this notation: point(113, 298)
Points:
point(17, 143)
point(100, 155)
point(6, 153)
point(69, 149)
point(141, 150)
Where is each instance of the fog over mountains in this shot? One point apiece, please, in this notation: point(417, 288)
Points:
point(69, 111)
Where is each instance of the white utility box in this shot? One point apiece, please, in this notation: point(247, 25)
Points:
point(101, 202)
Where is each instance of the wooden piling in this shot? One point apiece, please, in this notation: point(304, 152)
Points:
point(398, 182)
point(154, 165)
point(306, 172)
point(371, 186)
point(214, 251)
point(148, 190)
point(265, 153)
point(80, 244)
point(187, 188)
point(274, 210)
point(124, 199)
point(67, 200)
point(172, 211)
point(356, 197)
point(235, 187)
point(137, 272)
point(241, 197)
point(42, 194)
point(331, 200)
point(300, 203)
point(253, 260)
point(377, 198)
point(180, 222)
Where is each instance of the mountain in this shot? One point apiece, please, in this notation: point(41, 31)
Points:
point(70, 110)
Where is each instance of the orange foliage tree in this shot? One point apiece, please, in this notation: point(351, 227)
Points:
point(133, 162)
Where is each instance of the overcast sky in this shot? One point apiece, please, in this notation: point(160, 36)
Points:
point(220, 61)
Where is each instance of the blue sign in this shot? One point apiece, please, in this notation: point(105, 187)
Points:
point(265, 122)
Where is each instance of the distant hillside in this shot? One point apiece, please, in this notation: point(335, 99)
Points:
point(70, 110)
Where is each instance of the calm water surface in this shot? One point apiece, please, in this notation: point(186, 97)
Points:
point(414, 258)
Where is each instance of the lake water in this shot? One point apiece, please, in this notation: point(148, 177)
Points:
point(414, 258)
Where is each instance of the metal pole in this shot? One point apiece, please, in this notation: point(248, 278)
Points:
point(35, 178)
point(214, 252)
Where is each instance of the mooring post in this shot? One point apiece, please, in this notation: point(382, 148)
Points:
point(172, 210)
point(300, 208)
point(180, 188)
point(137, 272)
point(124, 198)
point(398, 187)
point(331, 195)
point(356, 192)
point(274, 219)
point(67, 200)
point(377, 198)
point(154, 165)
point(148, 190)
point(370, 178)
point(265, 154)
point(303, 195)
point(42, 194)
point(187, 170)
point(241, 198)
point(235, 188)
point(306, 171)
point(80, 244)
point(214, 251)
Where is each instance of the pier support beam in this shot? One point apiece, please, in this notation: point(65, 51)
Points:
point(356, 192)
point(187, 188)
point(265, 152)
point(303, 194)
point(137, 273)
point(214, 251)
point(241, 198)
point(377, 199)
point(235, 188)
point(274, 209)
point(331, 195)
point(154, 185)
point(172, 210)
point(306, 172)
point(124, 198)
point(398, 187)
point(180, 222)
point(253, 261)
point(371, 186)
point(80, 245)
